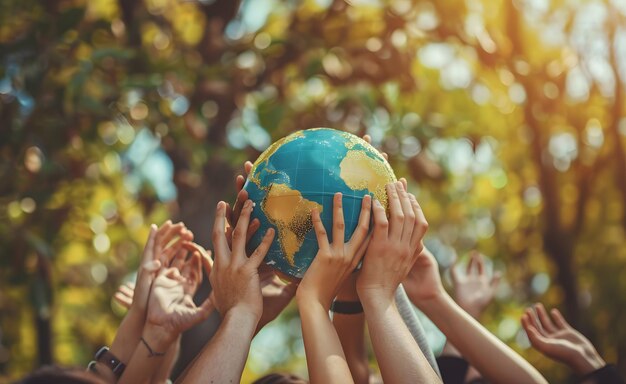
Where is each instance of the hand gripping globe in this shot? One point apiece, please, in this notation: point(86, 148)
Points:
point(301, 172)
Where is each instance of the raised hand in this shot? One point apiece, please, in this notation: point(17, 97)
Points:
point(171, 307)
point(163, 243)
point(124, 294)
point(474, 289)
point(276, 294)
point(555, 338)
point(395, 244)
point(326, 274)
point(161, 247)
point(235, 277)
point(334, 262)
point(232, 214)
point(423, 282)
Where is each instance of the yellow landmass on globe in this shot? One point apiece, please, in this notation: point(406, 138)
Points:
point(360, 171)
point(291, 214)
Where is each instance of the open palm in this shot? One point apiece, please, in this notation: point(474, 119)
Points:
point(170, 307)
point(559, 340)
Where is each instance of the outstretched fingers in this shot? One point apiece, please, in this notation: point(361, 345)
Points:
point(538, 340)
point(123, 300)
point(207, 262)
point(396, 216)
point(381, 224)
point(363, 225)
point(546, 321)
point(222, 251)
point(320, 231)
point(421, 225)
point(149, 250)
point(239, 234)
point(259, 253)
point(339, 225)
point(409, 225)
point(559, 319)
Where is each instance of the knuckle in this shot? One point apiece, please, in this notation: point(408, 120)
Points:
point(238, 232)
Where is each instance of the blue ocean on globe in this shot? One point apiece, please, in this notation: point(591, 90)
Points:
point(301, 172)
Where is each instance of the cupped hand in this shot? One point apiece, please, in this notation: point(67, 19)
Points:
point(235, 277)
point(555, 338)
point(232, 214)
point(334, 262)
point(276, 293)
point(163, 243)
point(474, 289)
point(395, 243)
point(423, 281)
point(171, 307)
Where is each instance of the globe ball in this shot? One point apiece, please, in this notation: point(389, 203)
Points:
point(302, 172)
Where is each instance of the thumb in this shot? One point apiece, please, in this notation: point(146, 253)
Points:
point(152, 266)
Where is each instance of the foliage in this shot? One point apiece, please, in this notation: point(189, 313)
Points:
point(507, 116)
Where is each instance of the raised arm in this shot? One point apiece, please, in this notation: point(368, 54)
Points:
point(171, 311)
point(493, 359)
point(349, 321)
point(554, 337)
point(389, 257)
point(332, 265)
point(474, 289)
point(237, 297)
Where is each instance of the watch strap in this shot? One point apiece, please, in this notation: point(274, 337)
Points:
point(107, 358)
point(347, 307)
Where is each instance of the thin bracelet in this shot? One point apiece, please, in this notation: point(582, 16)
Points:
point(152, 353)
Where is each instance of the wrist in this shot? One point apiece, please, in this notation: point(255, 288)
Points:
point(375, 300)
point(588, 362)
point(376, 295)
point(158, 338)
point(244, 312)
point(307, 299)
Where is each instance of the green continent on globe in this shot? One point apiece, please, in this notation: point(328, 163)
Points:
point(302, 172)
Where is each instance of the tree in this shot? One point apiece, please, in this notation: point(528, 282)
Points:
point(507, 116)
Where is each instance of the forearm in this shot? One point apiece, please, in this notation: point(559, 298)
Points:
point(165, 369)
point(222, 360)
point(494, 359)
point(399, 357)
point(325, 358)
point(351, 332)
point(148, 356)
point(128, 335)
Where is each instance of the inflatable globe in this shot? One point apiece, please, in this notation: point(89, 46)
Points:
point(301, 172)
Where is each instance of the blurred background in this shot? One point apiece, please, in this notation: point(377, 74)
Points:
point(507, 116)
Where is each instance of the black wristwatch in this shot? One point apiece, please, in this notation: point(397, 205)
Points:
point(346, 307)
point(105, 357)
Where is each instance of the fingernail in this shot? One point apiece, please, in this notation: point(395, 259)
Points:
point(377, 203)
